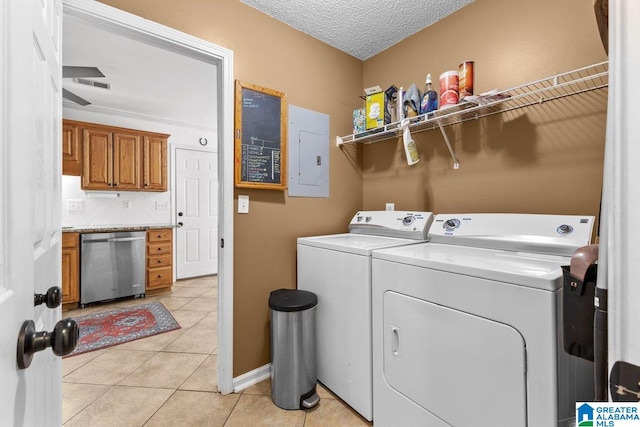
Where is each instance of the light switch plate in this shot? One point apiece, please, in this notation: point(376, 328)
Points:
point(243, 204)
point(162, 206)
point(390, 206)
point(75, 205)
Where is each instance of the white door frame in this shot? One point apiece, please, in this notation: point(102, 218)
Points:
point(133, 26)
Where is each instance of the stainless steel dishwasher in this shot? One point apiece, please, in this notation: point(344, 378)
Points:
point(112, 265)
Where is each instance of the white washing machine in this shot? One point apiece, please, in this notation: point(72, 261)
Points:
point(466, 328)
point(337, 268)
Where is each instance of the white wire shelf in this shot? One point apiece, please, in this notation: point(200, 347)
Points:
point(592, 77)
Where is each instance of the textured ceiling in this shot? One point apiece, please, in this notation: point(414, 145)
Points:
point(360, 28)
point(147, 81)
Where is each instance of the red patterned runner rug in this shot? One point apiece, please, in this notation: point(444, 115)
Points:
point(113, 327)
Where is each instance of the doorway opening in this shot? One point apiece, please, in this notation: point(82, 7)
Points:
point(119, 22)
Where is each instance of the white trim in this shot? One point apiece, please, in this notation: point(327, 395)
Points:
point(618, 268)
point(137, 116)
point(124, 23)
point(250, 378)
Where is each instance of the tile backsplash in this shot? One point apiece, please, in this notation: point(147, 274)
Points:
point(130, 208)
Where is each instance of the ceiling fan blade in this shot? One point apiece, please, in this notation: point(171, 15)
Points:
point(72, 71)
point(75, 98)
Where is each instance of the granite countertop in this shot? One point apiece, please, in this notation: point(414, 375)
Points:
point(113, 228)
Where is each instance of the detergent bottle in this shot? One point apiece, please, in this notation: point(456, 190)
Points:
point(429, 100)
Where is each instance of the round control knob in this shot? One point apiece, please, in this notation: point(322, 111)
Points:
point(565, 229)
point(359, 219)
point(451, 224)
point(408, 220)
point(368, 219)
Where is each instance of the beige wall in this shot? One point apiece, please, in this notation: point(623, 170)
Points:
point(313, 76)
point(545, 159)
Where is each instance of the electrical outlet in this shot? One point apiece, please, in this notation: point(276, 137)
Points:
point(243, 204)
point(162, 206)
point(126, 204)
point(391, 206)
point(75, 205)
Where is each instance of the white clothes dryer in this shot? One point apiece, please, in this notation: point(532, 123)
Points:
point(467, 330)
point(337, 268)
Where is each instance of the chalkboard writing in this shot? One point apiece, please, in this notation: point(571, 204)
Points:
point(260, 137)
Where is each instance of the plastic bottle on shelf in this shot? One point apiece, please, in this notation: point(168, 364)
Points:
point(400, 104)
point(429, 100)
point(410, 148)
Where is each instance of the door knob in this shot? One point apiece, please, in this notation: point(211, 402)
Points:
point(180, 213)
point(180, 224)
point(62, 340)
point(52, 298)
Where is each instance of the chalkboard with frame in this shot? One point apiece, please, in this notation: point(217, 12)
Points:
point(260, 137)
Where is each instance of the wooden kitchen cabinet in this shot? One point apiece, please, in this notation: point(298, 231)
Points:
point(70, 269)
point(155, 163)
point(159, 260)
point(71, 148)
point(112, 158)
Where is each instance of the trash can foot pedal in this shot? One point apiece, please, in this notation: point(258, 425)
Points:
point(311, 401)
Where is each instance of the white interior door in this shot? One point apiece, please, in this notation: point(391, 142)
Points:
point(618, 266)
point(197, 211)
point(30, 257)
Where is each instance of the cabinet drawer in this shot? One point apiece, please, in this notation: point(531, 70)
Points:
point(159, 235)
point(158, 249)
point(69, 240)
point(159, 261)
point(159, 277)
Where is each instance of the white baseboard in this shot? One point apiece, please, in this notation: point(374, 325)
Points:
point(250, 378)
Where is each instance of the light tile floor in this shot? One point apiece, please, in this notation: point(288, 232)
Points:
point(170, 379)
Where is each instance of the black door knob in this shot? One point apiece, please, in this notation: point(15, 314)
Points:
point(179, 213)
point(180, 224)
point(52, 298)
point(62, 340)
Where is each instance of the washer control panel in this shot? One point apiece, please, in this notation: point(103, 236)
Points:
point(552, 234)
point(408, 225)
point(451, 224)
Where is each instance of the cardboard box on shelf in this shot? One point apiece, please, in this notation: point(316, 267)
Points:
point(374, 105)
point(390, 113)
point(380, 106)
point(359, 120)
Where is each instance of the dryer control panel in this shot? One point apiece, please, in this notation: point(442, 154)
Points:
point(545, 234)
point(407, 225)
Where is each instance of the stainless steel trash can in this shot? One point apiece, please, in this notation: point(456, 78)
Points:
point(293, 348)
